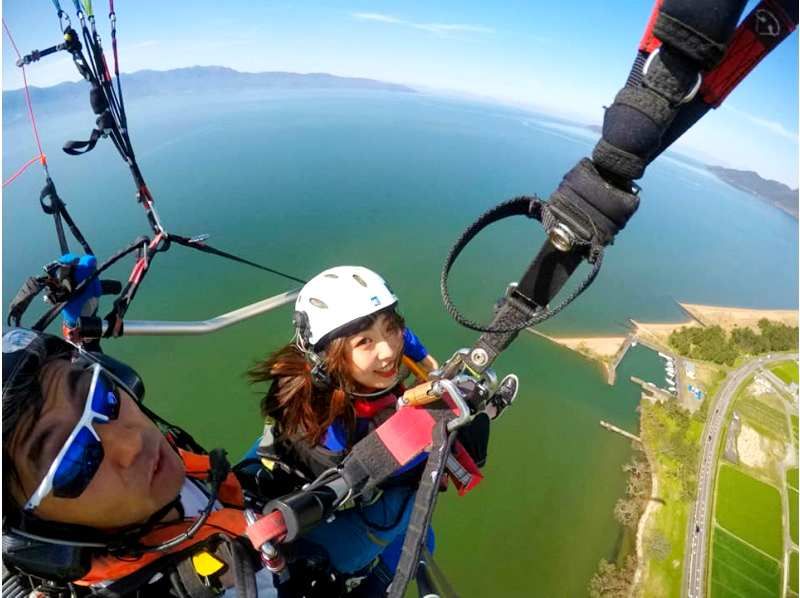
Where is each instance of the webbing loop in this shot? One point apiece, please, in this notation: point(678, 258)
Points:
point(531, 207)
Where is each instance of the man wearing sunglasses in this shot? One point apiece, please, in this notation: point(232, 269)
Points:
point(99, 493)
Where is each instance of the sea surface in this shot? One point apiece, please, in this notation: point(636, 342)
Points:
point(302, 181)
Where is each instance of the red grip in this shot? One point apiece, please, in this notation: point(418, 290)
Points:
point(268, 528)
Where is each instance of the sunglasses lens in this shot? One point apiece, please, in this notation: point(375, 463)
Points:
point(77, 468)
point(105, 399)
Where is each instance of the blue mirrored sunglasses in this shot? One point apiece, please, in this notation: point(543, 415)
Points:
point(79, 459)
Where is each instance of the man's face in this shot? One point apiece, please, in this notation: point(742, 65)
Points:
point(140, 473)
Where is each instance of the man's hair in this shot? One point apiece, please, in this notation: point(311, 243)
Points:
point(24, 357)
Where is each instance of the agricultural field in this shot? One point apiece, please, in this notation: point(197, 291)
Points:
point(792, 478)
point(793, 506)
point(750, 509)
point(786, 371)
point(739, 570)
point(763, 415)
point(793, 573)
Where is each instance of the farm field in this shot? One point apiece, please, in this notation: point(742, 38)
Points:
point(786, 371)
point(739, 570)
point(749, 509)
point(793, 571)
point(793, 506)
point(792, 478)
point(767, 418)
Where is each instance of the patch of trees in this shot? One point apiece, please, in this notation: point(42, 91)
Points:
point(665, 427)
point(712, 343)
point(629, 508)
point(612, 581)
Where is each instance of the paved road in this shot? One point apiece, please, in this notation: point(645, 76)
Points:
point(697, 536)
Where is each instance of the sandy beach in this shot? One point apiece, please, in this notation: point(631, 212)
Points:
point(713, 315)
point(730, 317)
point(594, 347)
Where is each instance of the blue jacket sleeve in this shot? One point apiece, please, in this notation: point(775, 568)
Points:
point(413, 346)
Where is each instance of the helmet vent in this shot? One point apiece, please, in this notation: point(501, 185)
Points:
point(331, 276)
point(318, 303)
point(359, 280)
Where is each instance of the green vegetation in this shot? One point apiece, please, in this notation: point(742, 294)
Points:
point(739, 570)
point(671, 437)
point(629, 509)
point(749, 509)
point(794, 428)
point(793, 507)
point(791, 478)
point(793, 571)
point(712, 343)
point(612, 581)
point(767, 420)
point(786, 371)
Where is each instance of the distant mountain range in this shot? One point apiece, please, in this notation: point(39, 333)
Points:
point(192, 80)
point(779, 195)
point(207, 79)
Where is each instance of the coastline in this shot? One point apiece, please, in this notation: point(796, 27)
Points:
point(596, 347)
point(606, 349)
point(609, 352)
point(641, 528)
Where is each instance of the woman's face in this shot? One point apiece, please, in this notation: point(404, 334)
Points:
point(375, 354)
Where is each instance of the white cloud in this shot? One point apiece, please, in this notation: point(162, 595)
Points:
point(436, 28)
point(772, 126)
point(375, 16)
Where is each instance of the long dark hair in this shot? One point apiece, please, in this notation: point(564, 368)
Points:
point(302, 410)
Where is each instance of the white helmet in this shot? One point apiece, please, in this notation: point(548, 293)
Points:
point(338, 296)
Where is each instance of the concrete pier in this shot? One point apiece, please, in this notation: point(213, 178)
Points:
point(611, 368)
point(611, 427)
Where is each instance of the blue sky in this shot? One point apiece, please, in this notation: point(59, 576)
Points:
point(568, 57)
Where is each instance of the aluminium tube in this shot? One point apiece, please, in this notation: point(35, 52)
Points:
point(190, 328)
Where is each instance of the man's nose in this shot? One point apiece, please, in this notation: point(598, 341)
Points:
point(123, 442)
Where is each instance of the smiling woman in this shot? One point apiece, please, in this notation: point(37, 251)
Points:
point(333, 384)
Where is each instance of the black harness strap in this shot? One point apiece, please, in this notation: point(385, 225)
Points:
point(530, 207)
point(58, 209)
point(22, 300)
point(422, 513)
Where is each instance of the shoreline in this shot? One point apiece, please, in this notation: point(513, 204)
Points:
point(606, 348)
point(610, 350)
point(641, 528)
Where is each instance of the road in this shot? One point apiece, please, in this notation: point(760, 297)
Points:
point(697, 536)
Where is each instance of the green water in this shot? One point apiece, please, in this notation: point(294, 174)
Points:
point(306, 181)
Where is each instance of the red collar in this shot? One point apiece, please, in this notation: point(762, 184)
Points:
point(370, 409)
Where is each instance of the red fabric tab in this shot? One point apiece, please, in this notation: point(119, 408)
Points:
point(649, 42)
point(266, 529)
point(407, 433)
point(763, 29)
point(465, 460)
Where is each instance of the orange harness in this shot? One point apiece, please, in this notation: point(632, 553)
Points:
point(228, 520)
